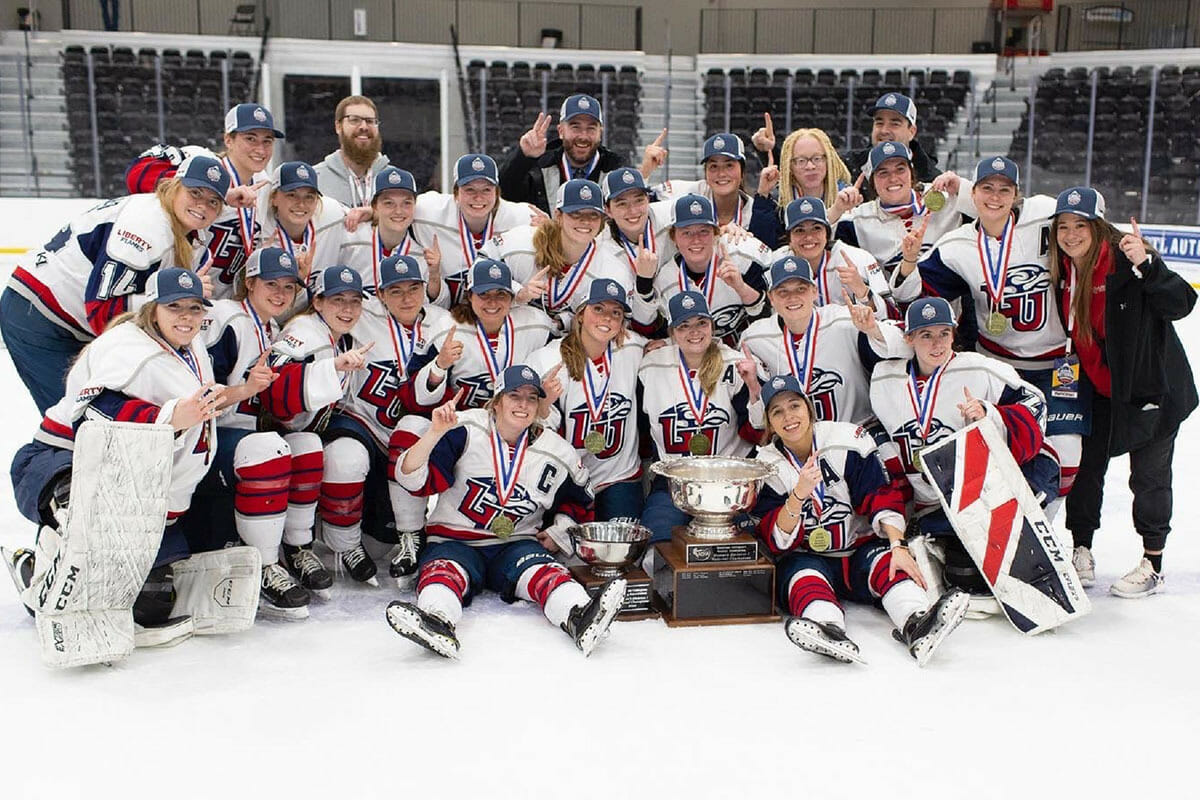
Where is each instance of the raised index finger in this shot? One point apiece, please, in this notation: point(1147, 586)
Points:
point(925, 223)
point(769, 124)
point(858, 182)
point(658, 141)
point(1137, 231)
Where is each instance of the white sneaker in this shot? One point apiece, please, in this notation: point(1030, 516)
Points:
point(1141, 581)
point(1085, 566)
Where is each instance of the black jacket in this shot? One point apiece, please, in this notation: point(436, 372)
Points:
point(536, 180)
point(1152, 386)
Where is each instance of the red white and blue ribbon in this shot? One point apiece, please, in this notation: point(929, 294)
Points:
point(631, 247)
point(507, 467)
point(467, 239)
point(379, 252)
point(923, 403)
point(285, 240)
point(995, 270)
point(822, 273)
point(709, 285)
point(569, 172)
point(561, 288)
point(596, 393)
point(260, 329)
point(246, 216)
point(801, 351)
point(403, 343)
point(914, 206)
point(693, 392)
point(505, 340)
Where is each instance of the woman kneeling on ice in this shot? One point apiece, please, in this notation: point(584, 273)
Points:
point(498, 474)
point(827, 512)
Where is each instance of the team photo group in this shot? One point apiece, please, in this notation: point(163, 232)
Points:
point(295, 374)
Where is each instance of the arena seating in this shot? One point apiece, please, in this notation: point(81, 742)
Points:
point(1062, 105)
point(127, 104)
point(820, 98)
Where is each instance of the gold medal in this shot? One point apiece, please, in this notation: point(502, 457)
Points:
point(996, 323)
point(934, 200)
point(700, 445)
point(503, 527)
point(819, 539)
point(593, 442)
point(916, 460)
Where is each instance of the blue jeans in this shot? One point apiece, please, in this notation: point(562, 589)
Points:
point(41, 351)
point(622, 499)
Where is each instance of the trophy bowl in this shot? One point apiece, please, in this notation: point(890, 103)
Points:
point(712, 489)
point(609, 548)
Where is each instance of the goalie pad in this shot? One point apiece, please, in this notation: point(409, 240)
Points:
point(87, 579)
point(218, 589)
point(1004, 529)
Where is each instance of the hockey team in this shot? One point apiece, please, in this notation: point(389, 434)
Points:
point(331, 348)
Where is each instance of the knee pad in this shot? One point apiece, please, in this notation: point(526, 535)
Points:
point(961, 572)
point(346, 461)
point(259, 448)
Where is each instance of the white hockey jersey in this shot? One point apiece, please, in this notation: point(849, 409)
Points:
point(670, 191)
point(547, 489)
point(881, 232)
point(236, 232)
point(656, 233)
point(363, 251)
point(829, 284)
point(307, 340)
point(323, 236)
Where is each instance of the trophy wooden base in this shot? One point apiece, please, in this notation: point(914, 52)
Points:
point(742, 548)
point(639, 592)
point(713, 593)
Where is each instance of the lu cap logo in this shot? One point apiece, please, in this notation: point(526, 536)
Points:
point(695, 208)
point(285, 261)
point(302, 172)
point(718, 143)
point(527, 374)
point(789, 266)
point(998, 163)
point(585, 193)
point(346, 276)
point(627, 178)
point(477, 165)
point(806, 207)
point(889, 148)
point(583, 103)
point(687, 302)
point(613, 291)
point(890, 100)
point(494, 272)
point(777, 383)
point(394, 177)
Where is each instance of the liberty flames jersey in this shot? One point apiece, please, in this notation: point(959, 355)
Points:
point(880, 232)
point(307, 340)
point(323, 237)
point(362, 252)
point(829, 283)
point(549, 489)
point(618, 419)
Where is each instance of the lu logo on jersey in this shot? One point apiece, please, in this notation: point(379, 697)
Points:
point(1024, 302)
point(611, 425)
point(678, 427)
point(481, 504)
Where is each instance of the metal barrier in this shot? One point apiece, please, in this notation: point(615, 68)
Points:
point(1128, 25)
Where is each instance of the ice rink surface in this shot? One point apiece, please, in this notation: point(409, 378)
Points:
point(339, 706)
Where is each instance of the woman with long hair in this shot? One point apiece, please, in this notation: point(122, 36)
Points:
point(1118, 300)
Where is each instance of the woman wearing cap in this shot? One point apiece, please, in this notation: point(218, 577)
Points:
point(927, 398)
point(835, 520)
point(835, 266)
point(597, 411)
point(144, 368)
point(696, 396)
point(490, 334)
point(467, 219)
point(391, 234)
point(499, 476)
point(96, 267)
point(727, 271)
point(558, 260)
point(320, 333)
point(998, 269)
point(1119, 301)
point(830, 350)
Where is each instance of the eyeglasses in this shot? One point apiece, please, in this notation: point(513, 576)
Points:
point(815, 161)
point(356, 120)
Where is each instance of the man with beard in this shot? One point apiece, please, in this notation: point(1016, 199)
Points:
point(348, 174)
point(535, 171)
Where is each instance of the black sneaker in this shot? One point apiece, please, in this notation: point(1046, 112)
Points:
point(822, 638)
point(360, 565)
point(586, 624)
point(926, 630)
point(20, 567)
point(281, 596)
point(305, 567)
point(405, 554)
point(428, 630)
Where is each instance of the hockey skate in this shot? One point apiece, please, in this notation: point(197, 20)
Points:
point(428, 630)
point(822, 638)
point(925, 630)
point(1085, 566)
point(403, 558)
point(20, 568)
point(588, 623)
point(306, 568)
point(359, 564)
point(280, 597)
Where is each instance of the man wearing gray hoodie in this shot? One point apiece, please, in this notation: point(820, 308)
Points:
point(348, 173)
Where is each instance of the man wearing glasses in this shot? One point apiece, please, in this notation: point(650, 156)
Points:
point(348, 174)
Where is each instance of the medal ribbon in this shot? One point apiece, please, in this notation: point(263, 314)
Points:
point(246, 216)
point(490, 360)
point(569, 173)
point(506, 468)
point(693, 392)
point(631, 247)
point(285, 241)
point(467, 239)
point(802, 359)
point(914, 206)
point(924, 403)
point(379, 252)
point(561, 289)
point(823, 279)
point(597, 399)
point(710, 279)
point(403, 344)
point(994, 273)
point(260, 330)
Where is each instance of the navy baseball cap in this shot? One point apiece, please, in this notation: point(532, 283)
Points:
point(928, 311)
point(395, 178)
point(516, 376)
point(475, 166)
point(270, 263)
point(202, 172)
point(398, 269)
point(724, 144)
point(804, 209)
point(883, 152)
point(694, 209)
point(338, 279)
point(620, 181)
point(294, 175)
point(487, 274)
point(578, 194)
point(780, 383)
point(604, 289)
point(578, 104)
point(250, 117)
point(789, 268)
point(997, 165)
point(685, 305)
point(1082, 200)
point(175, 283)
point(900, 103)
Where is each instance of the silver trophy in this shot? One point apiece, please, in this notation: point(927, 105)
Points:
point(609, 548)
point(713, 489)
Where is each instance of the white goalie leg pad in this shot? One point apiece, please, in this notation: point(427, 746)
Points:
point(88, 579)
point(219, 589)
point(308, 465)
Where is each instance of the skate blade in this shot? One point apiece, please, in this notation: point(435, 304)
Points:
point(268, 610)
point(949, 618)
point(325, 595)
point(408, 624)
point(371, 581)
point(406, 582)
point(610, 606)
point(803, 637)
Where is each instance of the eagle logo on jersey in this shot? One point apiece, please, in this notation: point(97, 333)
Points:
point(679, 426)
point(611, 424)
point(835, 517)
point(481, 504)
point(821, 391)
point(727, 320)
point(226, 249)
point(1024, 302)
point(908, 439)
point(456, 285)
point(478, 390)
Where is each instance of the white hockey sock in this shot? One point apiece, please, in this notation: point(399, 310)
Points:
point(903, 600)
point(341, 539)
point(262, 533)
point(408, 510)
point(825, 611)
point(562, 600)
point(441, 600)
point(298, 537)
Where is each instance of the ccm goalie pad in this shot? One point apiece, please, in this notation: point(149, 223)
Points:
point(1005, 531)
point(218, 589)
point(88, 578)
